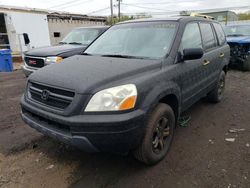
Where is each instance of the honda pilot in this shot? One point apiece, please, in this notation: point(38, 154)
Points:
point(126, 92)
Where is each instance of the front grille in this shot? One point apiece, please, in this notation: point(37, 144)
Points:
point(50, 96)
point(34, 61)
point(238, 49)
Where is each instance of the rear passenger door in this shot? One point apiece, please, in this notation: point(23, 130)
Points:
point(223, 48)
point(211, 57)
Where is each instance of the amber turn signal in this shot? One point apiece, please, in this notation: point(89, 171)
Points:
point(128, 103)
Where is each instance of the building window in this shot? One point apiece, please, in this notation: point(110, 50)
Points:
point(57, 34)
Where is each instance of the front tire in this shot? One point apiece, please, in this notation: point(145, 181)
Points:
point(246, 64)
point(158, 136)
point(217, 93)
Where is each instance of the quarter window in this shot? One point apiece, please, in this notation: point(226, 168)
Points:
point(207, 35)
point(220, 33)
point(191, 36)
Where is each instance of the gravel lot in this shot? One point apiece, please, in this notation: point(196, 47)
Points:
point(200, 155)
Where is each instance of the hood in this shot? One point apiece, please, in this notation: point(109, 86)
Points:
point(84, 74)
point(240, 40)
point(61, 50)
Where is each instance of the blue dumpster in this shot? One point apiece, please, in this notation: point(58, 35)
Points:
point(5, 60)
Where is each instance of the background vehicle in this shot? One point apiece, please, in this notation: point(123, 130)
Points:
point(74, 43)
point(238, 38)
point(126, 92)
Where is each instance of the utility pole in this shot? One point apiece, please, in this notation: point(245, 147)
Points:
point(119, 10)
point(111, 9)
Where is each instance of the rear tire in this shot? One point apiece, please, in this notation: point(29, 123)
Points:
point(158, 136)
point(216, 94)
point(246, 64)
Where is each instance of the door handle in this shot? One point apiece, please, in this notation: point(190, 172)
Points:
point(222, 54)
point(206, 62)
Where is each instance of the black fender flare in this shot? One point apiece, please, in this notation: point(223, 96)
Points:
point(160, 91)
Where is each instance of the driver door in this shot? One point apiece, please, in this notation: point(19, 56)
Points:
point(192, 72)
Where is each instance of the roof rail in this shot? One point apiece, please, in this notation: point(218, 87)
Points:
point(194, 14)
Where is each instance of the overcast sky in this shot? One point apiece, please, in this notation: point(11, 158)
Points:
point(101, 7)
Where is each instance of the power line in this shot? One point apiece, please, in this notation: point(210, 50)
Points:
point(178, 11)
point(144, 7)
point(79, 3)
point(159, 3)
point(171, 12)
point(100, 10)
point(66, 3)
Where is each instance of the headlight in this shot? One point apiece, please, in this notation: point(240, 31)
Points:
point(55, 59)
point(113, 99)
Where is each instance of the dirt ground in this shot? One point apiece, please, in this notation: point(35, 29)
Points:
point(200, 155)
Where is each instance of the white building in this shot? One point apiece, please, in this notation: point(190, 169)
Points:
point(44, 28)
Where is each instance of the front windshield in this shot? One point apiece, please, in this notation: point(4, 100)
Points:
point(238, 30)
point(143, 39)
point(81, 36)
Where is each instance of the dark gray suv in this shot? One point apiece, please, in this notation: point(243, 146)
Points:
point(128, 89)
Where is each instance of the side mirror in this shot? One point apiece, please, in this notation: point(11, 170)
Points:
point(26, 39)
point(192, 53)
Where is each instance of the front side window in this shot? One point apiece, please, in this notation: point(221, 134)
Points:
point(207, 35)
point(142, 39)
point(81, 36)
point(191, 37)
point(220, 33)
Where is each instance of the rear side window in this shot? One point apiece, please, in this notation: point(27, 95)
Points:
point(220, 33)
point(207, 35)
point(191, 37)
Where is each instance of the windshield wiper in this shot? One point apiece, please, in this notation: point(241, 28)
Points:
point(63, 42)
point(123, 56)
point(86, 54)
point(75, 43)
point(235, 35)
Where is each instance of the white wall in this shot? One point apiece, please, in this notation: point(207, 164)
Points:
point(34, 24)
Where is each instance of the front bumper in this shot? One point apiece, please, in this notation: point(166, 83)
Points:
point(116, 133)
point(28, 70)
